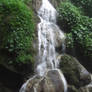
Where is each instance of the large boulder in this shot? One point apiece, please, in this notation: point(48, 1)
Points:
point(74, 72)
point(10, 81)
point(53, 81)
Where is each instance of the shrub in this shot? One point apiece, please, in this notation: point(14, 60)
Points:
point(83, 40)
point(78, 30)
point(16, 31)
point(85, 5)
point(69, 15)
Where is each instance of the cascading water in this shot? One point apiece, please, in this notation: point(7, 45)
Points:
point(49, 36)
point(47, 32)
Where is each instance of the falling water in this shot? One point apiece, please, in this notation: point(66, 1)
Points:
point(49, 37)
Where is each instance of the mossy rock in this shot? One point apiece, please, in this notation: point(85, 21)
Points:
point(71, 88)
point(74, 72)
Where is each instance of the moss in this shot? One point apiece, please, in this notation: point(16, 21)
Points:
point(16, 32)
point(69, 68)
point(74, 72)
point(72, 89)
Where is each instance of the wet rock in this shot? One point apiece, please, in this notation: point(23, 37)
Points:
point(87, 88)
point(51, 82)
point(5, 89)
point(9, 80)
point(71, 88)
point(36, 4)
point(74, 72)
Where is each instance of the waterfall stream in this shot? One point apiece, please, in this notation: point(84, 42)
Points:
point(49, 37)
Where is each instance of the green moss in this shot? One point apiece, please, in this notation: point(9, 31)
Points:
point(72, 89)
point(16, 32)
point(70, 69)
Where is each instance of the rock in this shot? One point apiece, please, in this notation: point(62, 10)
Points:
point(87, 88)
point(51, 82)
point(9, 80)
point(71, 88)
point(36, 4)
point(74, 72)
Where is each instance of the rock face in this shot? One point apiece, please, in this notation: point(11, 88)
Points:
point(10, 81)
point(74, 72)
point(87, 88)
point(36, 4)
point(52, 82)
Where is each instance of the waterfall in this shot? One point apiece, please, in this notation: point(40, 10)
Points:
point(49, 37)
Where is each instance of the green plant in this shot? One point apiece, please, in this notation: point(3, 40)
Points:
point(16, 31)
point(78, 28)
point(83, 40)
point(69, 15)
point(85, 5)
point(69, 40)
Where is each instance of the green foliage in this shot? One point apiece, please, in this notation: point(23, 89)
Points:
point(69, 41)
point(85, 5)
point(78, 28)
point(69, 15)
point(83, 39)
point(16, 31)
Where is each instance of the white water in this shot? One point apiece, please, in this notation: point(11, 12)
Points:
point(49, 36)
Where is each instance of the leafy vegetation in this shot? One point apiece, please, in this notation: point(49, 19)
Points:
point(69, 15)
point(85, 5)
point(16, 32)
point(78, 28)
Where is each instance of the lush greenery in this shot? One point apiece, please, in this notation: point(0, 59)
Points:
point(16, 32)
point(78, 28)
point(85, 5)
